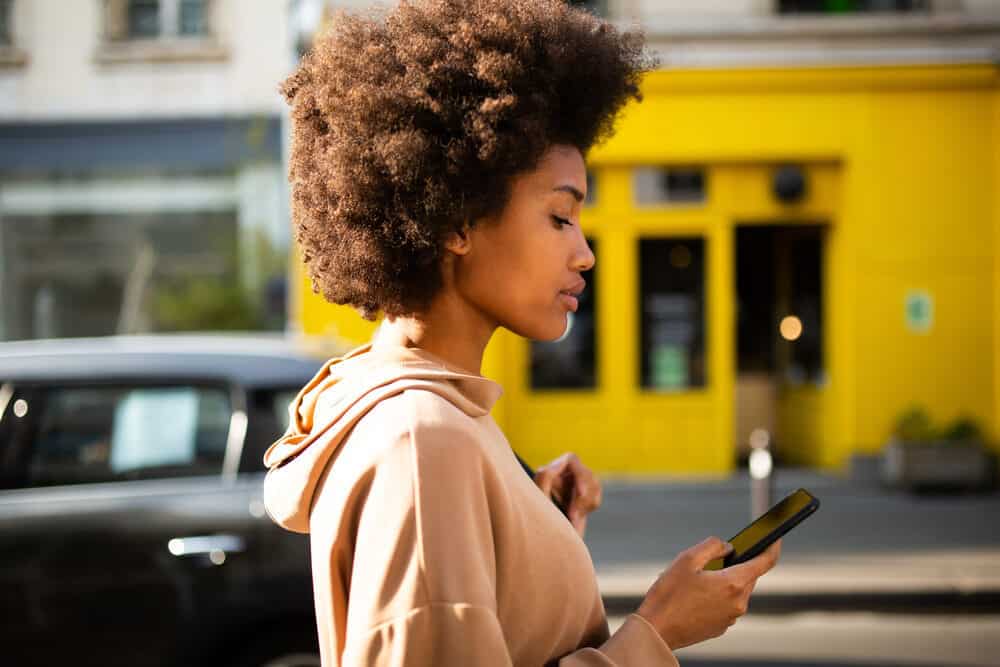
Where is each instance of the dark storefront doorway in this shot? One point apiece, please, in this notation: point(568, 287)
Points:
point(779, 324)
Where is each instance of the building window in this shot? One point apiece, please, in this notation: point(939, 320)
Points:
point(598, 7)
point(159, 31)
point(673, 185)
point(153, 19)
point(192, 20)
point(672, 312)
point(146, 272)
point(850, 6)
point(570, 362)
point(143, 18)
point(6, 34)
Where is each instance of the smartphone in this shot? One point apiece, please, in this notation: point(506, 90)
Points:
point(767, 528)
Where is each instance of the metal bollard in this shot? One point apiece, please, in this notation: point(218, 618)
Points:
point(761, 466)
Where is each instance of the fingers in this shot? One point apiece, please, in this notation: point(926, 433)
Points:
point(573, 486)
point(586, 493)
point(759, 565)
point(707, 550)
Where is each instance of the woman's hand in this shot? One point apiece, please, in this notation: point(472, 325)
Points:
point(572, 486)
point(688, 604)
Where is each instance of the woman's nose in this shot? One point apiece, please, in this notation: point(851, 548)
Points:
point(584, 258)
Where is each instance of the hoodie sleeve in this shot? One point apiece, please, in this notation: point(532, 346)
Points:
point(423, 575)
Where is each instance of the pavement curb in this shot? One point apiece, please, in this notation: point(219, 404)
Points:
point(914, 602)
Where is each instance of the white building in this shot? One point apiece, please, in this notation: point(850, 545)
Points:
point(141, 178)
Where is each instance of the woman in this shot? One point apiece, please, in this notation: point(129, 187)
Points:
point(438, 176)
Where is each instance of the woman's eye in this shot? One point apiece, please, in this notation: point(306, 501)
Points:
point(561, 221)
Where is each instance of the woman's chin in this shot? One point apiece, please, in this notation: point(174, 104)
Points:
point(546, 331)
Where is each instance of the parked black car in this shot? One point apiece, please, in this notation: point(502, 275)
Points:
point(132, 530)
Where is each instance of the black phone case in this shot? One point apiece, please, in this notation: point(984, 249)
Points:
point(773, 536)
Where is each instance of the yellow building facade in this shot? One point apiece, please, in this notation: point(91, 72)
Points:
point(858, 206)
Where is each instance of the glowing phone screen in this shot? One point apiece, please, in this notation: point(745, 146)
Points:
point(763, 526)
point(769, 521)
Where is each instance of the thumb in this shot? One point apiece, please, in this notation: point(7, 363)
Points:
point(707, 550)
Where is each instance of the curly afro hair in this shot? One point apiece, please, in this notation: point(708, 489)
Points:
point(410, 125)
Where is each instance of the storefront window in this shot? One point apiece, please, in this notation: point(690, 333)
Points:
point(672, 311)
point(570, 362)
point(141, 226)
point(88, 275)
point(668, 185)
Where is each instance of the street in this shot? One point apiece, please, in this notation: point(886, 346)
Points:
point(876, 578)
point(654, 522)
point(859, 639)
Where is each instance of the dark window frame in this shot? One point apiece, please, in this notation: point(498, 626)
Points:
point(699, 379)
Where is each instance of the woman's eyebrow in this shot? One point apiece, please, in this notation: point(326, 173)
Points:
point(570, 189)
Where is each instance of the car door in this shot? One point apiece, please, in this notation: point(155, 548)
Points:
point(126, 525)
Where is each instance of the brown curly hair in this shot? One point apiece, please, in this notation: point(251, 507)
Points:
point(410, 125)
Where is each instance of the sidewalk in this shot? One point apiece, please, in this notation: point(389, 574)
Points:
point(865, 549)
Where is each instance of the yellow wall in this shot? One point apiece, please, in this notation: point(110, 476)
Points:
point(995, 141)
point(900, 162)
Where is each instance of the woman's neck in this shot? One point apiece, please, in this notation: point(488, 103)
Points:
point(447, 330)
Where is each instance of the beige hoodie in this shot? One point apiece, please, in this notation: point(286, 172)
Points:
point(430, 545)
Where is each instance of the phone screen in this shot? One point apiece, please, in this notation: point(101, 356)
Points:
point(769, 521)
point(764, 525)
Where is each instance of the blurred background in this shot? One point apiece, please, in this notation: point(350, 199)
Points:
point(797, 236)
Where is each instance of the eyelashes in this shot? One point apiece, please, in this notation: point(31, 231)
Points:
point(561, 221)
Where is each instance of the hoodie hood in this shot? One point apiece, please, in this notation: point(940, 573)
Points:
point(329, 405)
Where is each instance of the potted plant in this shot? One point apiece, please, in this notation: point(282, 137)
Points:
point(919, 456)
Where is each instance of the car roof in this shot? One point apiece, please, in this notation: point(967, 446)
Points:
point(250, 360)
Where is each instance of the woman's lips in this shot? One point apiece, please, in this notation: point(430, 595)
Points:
point(569, 301)
point(570, 297)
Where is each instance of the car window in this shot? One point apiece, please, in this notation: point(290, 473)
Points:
point(279, 405)
point(94, 434)
point(268, 420)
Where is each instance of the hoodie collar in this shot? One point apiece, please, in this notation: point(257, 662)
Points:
point(343, 391)
point(476, 394)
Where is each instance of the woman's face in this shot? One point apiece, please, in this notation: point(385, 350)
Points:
point(521, 268)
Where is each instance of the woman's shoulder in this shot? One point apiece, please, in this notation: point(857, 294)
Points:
point(424, 420)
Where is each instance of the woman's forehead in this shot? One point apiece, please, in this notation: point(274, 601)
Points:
point(560, 170)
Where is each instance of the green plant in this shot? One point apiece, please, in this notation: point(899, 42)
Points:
point(962, 429)
point(915, 426)
point(205, 304)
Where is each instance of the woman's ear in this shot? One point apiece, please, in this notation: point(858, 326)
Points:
point(460, 242)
